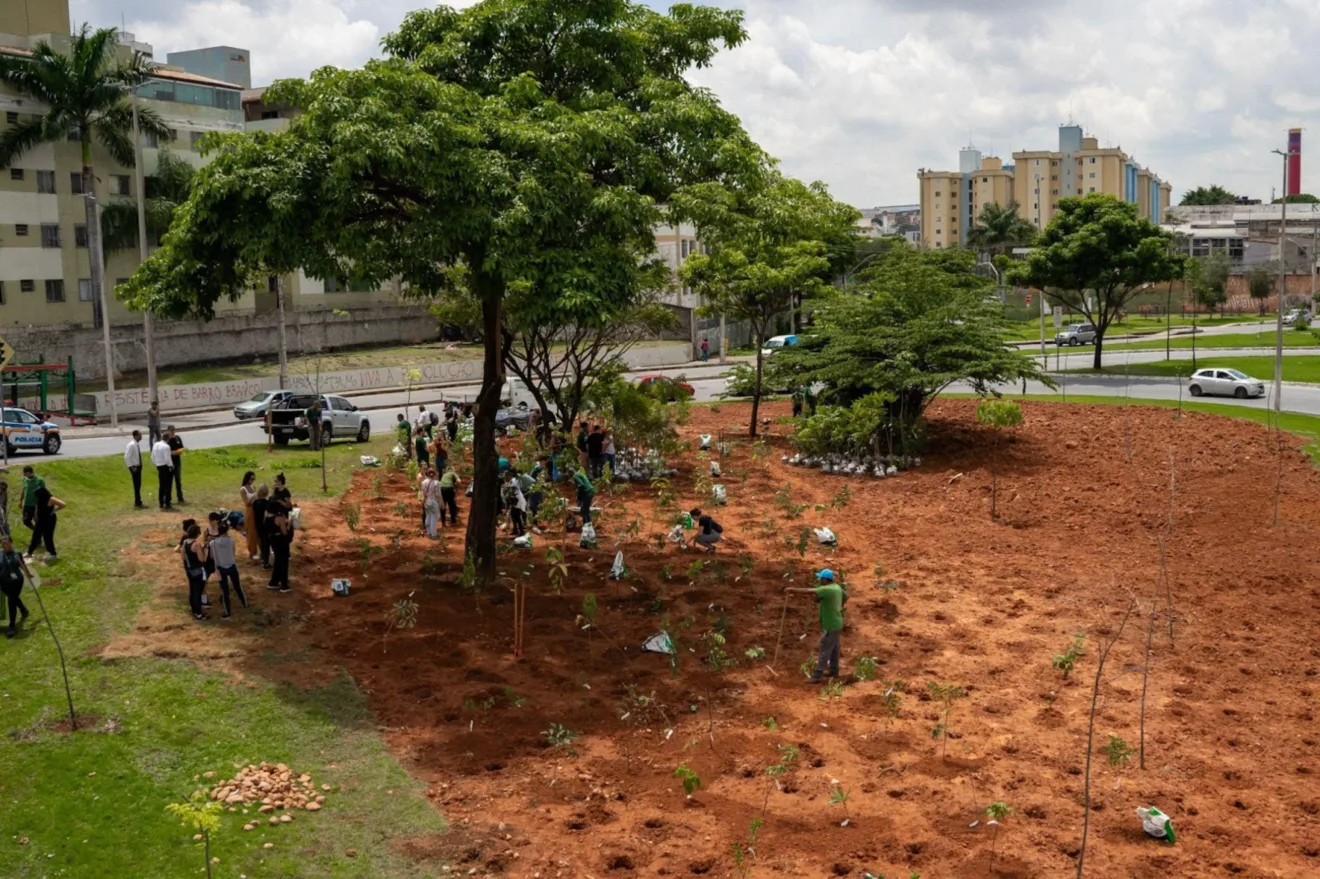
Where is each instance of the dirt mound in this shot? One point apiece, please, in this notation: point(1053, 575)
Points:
point(939, 594)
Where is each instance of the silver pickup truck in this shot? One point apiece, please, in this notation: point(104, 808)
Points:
point(339, 417)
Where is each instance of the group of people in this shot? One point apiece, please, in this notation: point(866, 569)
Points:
point(166, 455)
point(40, 515)
point(595, 449)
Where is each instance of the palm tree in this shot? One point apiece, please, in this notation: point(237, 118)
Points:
point(167, 189)
point(999, 229)
point(86, 93)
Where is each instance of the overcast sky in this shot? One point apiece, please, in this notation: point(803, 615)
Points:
point(860, 93)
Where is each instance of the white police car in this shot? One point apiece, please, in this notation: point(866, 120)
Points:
point(24, 431)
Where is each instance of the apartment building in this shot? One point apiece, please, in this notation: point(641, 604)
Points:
point(1036, 180)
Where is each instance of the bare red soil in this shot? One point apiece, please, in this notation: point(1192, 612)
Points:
point(1232, 748)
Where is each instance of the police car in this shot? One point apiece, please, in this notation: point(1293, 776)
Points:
point(23, 431)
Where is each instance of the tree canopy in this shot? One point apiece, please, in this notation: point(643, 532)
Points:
point(1299, 198)
point(923, 321)
point(999, 228)
point(166, 190)
point(772, 244)
point(532, 143)
point(1208, 195)
point(1094, 256)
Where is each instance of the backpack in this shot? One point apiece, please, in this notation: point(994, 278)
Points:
point(435, 419)
point(11, 571)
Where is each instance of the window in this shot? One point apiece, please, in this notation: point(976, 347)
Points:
point(1055, 192)
point(1092, 189)
point(50, 234)
point(1036, 191)
point(193, 137)
point(75, 135)
point(174, 135)
point(80, 235)
point(1091, 175)
point(985, 179)
point(149, 139)
point(84, 290)
point(11, 117)
point(270, 114)
point(1093, 160)
point(27, 286)
point(76, 182)
point(21, 230)
point(1036, 162)
point(937, 195)
point(15, 173)
point(55, 291)
point(46, 182)
point(272, 283)
point(121, 184)
point(1054, 176)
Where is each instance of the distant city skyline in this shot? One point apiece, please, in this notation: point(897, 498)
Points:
point(857, 93)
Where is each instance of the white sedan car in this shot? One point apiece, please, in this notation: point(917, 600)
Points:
point(1224, 383)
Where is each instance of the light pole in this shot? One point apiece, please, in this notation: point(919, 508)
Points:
point(139, 180)
point(95, 254)
point(852, 271)
point(1283, 285)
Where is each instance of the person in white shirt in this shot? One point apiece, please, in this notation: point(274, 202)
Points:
point(423, 420)
point(164, 461)
point(133, 461)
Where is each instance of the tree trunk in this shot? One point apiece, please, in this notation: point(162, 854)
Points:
point(1099, 347)
point(756, 387)
point(96, 264)
point(480, 546)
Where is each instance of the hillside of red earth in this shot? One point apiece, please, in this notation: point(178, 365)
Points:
point(562, 763)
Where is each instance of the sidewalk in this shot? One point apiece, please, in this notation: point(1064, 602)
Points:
point(200, 419)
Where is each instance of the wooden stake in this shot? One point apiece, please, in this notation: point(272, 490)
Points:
point(783, 617)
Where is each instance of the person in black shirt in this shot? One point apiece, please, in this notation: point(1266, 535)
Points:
point(582, 446)
point(176, 454)
point(281, 492)
point(281, 538)
point(709, 531)
point(451, 421)
point(260, 521)
point(596, 451)
point(194, 565)
point(12, 571)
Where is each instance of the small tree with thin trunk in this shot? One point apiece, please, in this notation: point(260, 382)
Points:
point(201, 814)
point(1260, 284)
point(998, 415)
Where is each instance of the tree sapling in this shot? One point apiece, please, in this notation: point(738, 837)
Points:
point(562, 738)
point(1065, 661)
point(996, 812)
point(202, 814)
point(946, 694)
point(865, 667)
point(691, 781)
point(840, 797)
point(402, 616)
point(1118, 752)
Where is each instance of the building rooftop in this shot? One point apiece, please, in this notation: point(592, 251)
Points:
point(160, 71)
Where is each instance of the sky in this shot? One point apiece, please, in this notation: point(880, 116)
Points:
point(862, 93)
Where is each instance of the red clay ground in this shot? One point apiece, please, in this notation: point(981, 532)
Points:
point(1232, 750)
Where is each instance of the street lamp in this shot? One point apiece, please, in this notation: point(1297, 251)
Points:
point(1283, 283)
point(852, 271)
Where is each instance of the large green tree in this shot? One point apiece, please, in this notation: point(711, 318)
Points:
point(532, 143)
point(86, 92)
point(922, 321)
point(1094, 256)
point(772, 244)
point(1299, 198)
point(1208, 195)
point(1210, 286)
point(167, 189)
point(999, 228)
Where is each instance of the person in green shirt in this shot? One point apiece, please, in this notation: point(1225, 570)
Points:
point(31, 482)
point(449, 495)
point(831, 597)
point(419, 443)
point(405, 435)
point(585, 493)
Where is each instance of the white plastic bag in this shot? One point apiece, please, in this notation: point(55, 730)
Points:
point(715, 468)
point(721, 496)
point(660, 642)
point(399, 452)
point(524, 542)
point(825, 537)
point(1156, 824)
point(588, 538)
point(676, 535)
point(705, 442)
point(369, 461)
point(295, 518)
point(618, 569)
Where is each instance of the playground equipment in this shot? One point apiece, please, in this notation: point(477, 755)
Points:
point(48, 389)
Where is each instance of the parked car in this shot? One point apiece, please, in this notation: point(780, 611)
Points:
point(666, 388)
point(1292, 316)
point(339, 417)
point(1076, 334)
point(779, 342)
point(518, 417)
point(1224, 383)
point(257, 406)
point(25, 431)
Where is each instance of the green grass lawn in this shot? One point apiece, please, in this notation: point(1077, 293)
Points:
point(93, 804)
point(1296, 368)
point(1262, 339)
point(1027, 331)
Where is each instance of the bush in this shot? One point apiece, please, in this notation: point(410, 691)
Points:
point(1302, 322)
point(861, 429)
point(741, 381)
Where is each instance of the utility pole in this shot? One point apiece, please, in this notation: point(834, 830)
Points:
point(139, 175)
point(284, 339)
point(97, 257)
point(1283, 286)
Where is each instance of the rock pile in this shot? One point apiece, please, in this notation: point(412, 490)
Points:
point(273, 788)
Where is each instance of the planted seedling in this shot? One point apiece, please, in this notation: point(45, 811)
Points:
point(799, 543)
point(892, 700)
point(770, 723)
point(562, 738)
point(840, 797)
point(1065, 661)
point(694, 570)
point(745, 564)
point(832, 690)
point(202, 815)
point(946, 695)
point(865, 667)
point(366, 549)
point(754, 653)
point(788, 755)
point(1118, 752)
point(996, 812)
point(691, 781)
point(742, 851)
point(841, 499)
point(402, 616)
point(808, 666)
point(352, 515)
point(716, 656)
point(587, 618)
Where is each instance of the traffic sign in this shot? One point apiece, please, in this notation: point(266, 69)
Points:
point(6, 353)
point(1028, 299)
point(1058, 316)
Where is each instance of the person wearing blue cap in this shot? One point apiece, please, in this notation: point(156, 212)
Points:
point(831, 597)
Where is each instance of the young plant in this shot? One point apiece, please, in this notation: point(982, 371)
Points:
point(1065, 661)
point(587, 618)
point(788, 755)
point(378, 488)
point(892, 700)
point(366, 549)
point(467, 578)
point(996, 812)
point(832, 690)
point(694, 570)
point(770, 723)
point(754, 653)
point(352, 515)
point(841, 499)
point(562, 738)
point(840, 797)
point(554, 557)
point(1118, 752)
point(745, 565)
point(743, 850)
point(691, 781)
point(401, 510)
point(865, 667)
point(946, 695)
point(202, 815)
point(402, 616)
point(808, 666)
point(799, 543)
point(716, 656)
point(998, 415)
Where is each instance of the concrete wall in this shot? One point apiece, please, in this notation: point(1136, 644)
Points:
point(181, 343)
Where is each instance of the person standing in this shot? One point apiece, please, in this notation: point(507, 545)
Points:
point(12, 571)
point(281, 539)
point(809, 398)
point(247, 492)
point(419, 445)
point(314, 424)
point(153, 423)
point(607, 449)
point(405, 435)
point(176, 454)
point(585, 493)
point(797, 403)
point(583, 433)
point(194, 567)
point(449, 495)
point(423, 419)
point(831, 597)
point(281, 492)
point(596, 451)
point(705, 349)
point(261, 524)
point(43, 530)
point(439, 454)
point(31, 483)
point(451, 421)
point(133, 461)
point(431, 503)
point(222, 551)
point(164, 463)
point(533, 486)
point(516, 502)
point(709, 531)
